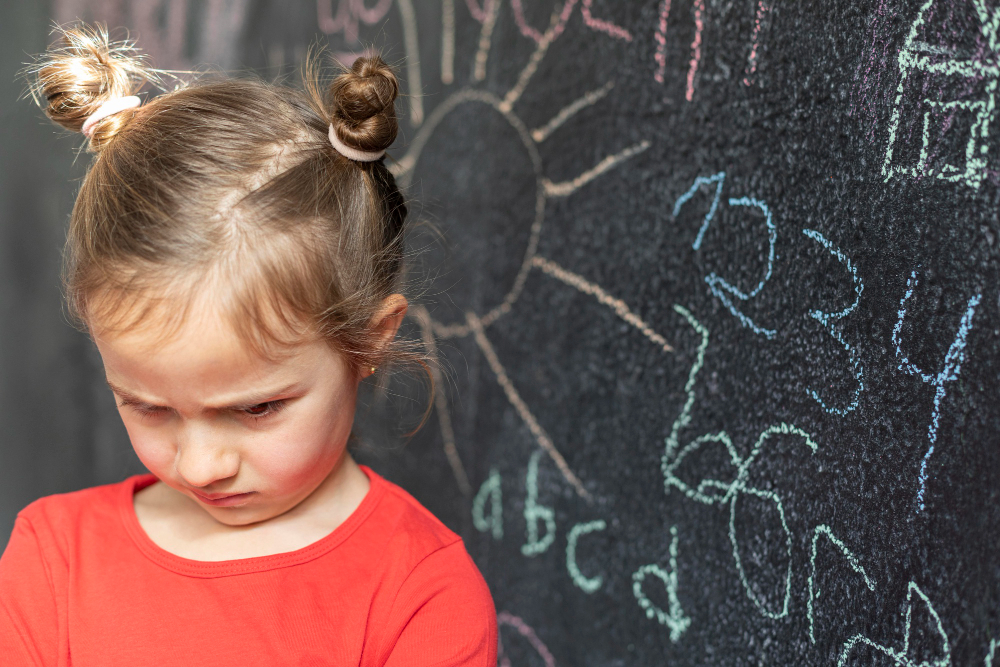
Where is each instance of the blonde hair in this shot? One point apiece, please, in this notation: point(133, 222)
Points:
point(231, 185)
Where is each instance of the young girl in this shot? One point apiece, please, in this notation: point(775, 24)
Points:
point(233, 252)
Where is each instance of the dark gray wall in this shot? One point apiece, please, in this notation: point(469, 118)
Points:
point(721, 348)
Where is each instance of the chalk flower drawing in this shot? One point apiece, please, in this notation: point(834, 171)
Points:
point(918, 58)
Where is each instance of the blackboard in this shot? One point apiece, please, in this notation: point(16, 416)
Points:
point(714, 288)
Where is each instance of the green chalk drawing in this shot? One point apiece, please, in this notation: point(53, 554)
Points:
point(718, 492)
point(587, 585)
point(916, 56)
point(492, 491)
point(674, 619)
point(990, 653)
point(900, 657)
point(533, 512)
point(851, 560)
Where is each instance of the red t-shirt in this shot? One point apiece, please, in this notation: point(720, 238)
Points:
point(82, 584)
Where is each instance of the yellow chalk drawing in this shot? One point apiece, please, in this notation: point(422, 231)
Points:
point(919, 57)
point(492, 492)
point(901, 657)
point(591, 584)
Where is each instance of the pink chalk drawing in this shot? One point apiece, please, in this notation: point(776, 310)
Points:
point(350, 13)
point(602, 25)
point(699, 26)
point(661, 41)
point(161, 26)
point(561, 17)
point(508, 619)
point(762, 9)
point(480, 13)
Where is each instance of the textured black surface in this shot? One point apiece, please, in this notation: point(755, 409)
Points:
point(806, 135)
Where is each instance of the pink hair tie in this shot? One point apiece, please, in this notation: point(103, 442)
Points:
point(109, 108)
point(352, 153)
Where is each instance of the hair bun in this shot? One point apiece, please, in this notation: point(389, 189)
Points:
point(363, 105)
point(83, 70)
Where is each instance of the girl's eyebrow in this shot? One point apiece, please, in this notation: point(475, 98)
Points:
point(249, 400)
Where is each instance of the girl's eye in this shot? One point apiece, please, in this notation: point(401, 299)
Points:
point(262, 410)
point(142, 408)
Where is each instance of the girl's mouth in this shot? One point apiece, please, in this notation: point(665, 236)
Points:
point(225, 501)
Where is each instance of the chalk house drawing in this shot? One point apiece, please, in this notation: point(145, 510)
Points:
point(476, 323)
point(924, 67)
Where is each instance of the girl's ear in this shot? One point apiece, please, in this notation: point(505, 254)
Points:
point(389, 318)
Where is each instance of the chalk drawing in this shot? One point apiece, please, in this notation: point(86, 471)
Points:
point(601, 25)
point(720, 287)
point(901, 656)
point(661, 41)
point(491, 491)
point(674, 618)
point(758, 21)
point(507, 619)
point(829, 319)
point(591, 584)
point(699, 26)
point(991, 653)
point(479, 12)
point(350, 13)
point(719, 179)
point(621, 310)
point(441, 401)
point(569, 187)
point(717, 492)
point(489, 21)
point(915, 57)
point(412, 47)
point(475, 324)
point(533, 512)
point(814, 592)
point(447, 41)
point(542, 133)
point(950, 371)
point(559, 19)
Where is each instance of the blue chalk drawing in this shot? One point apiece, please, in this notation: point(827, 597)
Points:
point(490, 490)
point(900, 656)
point(533, 512)
point(814, 592)
point(722, 289)
point(949, 372)
point(828, 320)
point(718, 492)
point(674, 618)
point(719, 179)
point(916, 56)
point(591, 584)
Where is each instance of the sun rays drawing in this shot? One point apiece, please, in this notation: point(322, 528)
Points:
point(467, 320)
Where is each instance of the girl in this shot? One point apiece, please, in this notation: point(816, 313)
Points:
point(233, 252)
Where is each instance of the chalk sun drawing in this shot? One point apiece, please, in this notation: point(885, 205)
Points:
point(719, 492)
point(475, 323)
point(917, 58)
point(950, 371)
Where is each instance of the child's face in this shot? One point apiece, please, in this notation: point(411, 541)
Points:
point(210, 418)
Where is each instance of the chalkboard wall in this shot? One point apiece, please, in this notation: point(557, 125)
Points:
point(714, 289)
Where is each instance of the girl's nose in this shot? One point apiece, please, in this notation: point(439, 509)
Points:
point(204, 458)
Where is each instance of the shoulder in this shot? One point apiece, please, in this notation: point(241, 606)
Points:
point(405, 524)
point(61, 515)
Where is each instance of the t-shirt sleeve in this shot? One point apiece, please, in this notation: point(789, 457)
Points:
point(29, 626)
point(445, 615)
